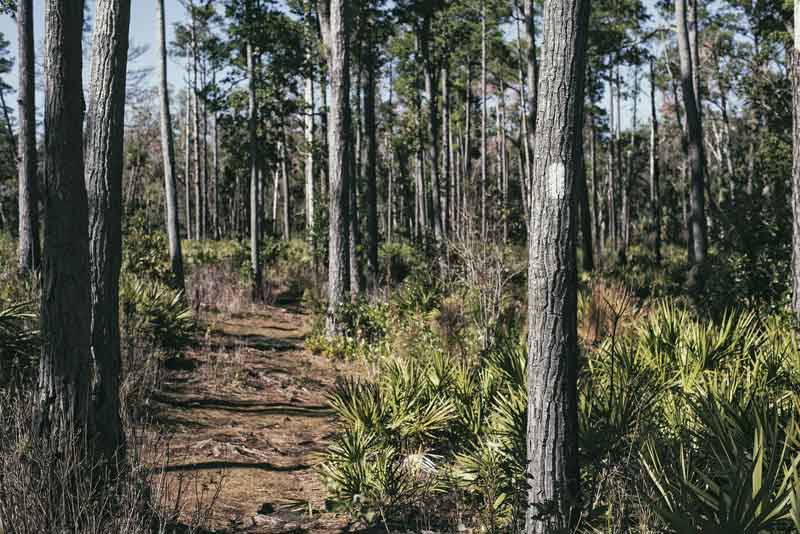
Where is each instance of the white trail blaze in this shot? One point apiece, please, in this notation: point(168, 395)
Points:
point(556, 180)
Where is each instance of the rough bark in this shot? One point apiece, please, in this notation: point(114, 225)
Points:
point(467, 147)
point(63, 395)
point(526, 164)
point(370, 131)
point(694, 31)
point(611, 182)
point(356, 176)
point(333, 16)
point(552, 468)
point(596, 209)
point(530, 61)
point(654, 170)
point(275, 196)
point(483, 120)
point(694, 138)
point(584, 214)
point(433, 130)
point(204, 185)
point(198, 171)
point(255, 196)
point(503, 161)
point(12, 140)
point(105, 128)
point(308, 124)
point(287, 219)
point(168, 157)
point(447, 153)
point(29, 253)
point(796, 163)
point(187, 169)
point(215, 185)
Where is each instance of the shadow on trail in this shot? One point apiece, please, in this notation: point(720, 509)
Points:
point(223, 464)
point(269, 408)
point(262, 343)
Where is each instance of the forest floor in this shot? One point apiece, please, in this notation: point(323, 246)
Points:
point(247, 415)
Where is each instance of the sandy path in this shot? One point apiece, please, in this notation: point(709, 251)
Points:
point(248, 407)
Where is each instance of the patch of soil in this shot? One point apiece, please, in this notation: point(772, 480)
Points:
point(251, 412)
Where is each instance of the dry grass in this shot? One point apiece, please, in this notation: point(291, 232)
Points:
point(48, 486)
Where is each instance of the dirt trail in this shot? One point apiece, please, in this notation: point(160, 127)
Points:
point(248, 406)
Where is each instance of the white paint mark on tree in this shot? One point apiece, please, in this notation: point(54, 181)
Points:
point(797, 24)
point(556, 180)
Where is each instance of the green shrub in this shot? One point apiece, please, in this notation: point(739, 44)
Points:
point(365, 326)
point(398, 259)
point(155, 314)
point(146, 253)
point(19, 345)
point(680, 417)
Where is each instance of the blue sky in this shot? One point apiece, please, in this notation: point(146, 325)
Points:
point(143, 32)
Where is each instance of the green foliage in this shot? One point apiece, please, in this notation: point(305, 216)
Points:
point(155, 314)
point(398, 259)
point(197, 253)
point(19, 345)
point(146, 252)
point(736, 473)
point(430, 422)
point(685, 423)
point(419, 294)
point(365, 326)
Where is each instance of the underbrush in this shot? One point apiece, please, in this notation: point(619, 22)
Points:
point(685, 426)
point(686, 413)
point(50, 486)
point(220, 274)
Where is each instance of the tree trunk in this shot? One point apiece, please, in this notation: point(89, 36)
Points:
point(654, 169)
point(333, 16)
point(552, 279)
point(355, 154)
point(63, 396)
point(105, 128)
point(447, 155)
point(215, 158)
point(187, 155)
point(693, 29)
point(433, 131)
point(287, 219)
point(255, 194)
point(198, 171)
point(370, 130)
point(583, 211)
point(275, 196)
point(533, 75)
point(467, 147)
point(504, 161)
point(796, 163)
point(12, 140)
point(526, 117)
point(612, 206)
point(596, 209)
point(168, 154)
point(355, 236)
point(323, 119)
point(29, 253)
point(390, 215)
point(622, 222)
point(204, 186)
point(309, 160)
point(483, 120)
point(694, 131)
